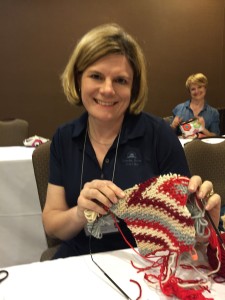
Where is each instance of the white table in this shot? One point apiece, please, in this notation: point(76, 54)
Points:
point(80, 278)
point(211, 140)
point(21, 230)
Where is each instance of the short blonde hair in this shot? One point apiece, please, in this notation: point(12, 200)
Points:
point(198, 78)
point(97, 43)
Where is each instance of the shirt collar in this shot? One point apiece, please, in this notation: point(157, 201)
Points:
point(132, 126)
point(188, 103)
point(80, 125)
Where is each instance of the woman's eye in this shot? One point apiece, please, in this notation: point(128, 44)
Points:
point(95, 76)
point(121, 80)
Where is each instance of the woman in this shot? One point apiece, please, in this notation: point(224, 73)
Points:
point(196, 107)
point(112, 146)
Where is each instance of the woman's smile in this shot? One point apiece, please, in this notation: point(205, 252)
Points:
point(104, 103)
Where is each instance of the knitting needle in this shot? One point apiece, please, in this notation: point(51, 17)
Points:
point(126, 296)
point(214, 226)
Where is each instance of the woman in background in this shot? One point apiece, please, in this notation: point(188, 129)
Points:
point(197, 107)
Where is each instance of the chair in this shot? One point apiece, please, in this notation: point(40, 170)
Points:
point(13, 132)
point(208, 161)
point(40, 159)
point(221, 111)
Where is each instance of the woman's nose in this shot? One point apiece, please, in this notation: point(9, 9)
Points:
point(107, 87)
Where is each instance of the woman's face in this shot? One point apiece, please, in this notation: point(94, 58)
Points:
point(197, 91)
point(106, 87)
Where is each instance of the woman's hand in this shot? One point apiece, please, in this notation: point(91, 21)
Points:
point(201, 121)
point(204, 190)
point(98, 195)
point(176, 122)
point(204, 131)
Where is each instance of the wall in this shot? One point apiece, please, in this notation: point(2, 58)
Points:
point(179, 37)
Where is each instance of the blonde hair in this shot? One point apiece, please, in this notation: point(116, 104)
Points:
point(97, 43)
point(198, 78)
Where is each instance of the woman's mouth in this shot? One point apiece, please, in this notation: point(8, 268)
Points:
point(105, 103)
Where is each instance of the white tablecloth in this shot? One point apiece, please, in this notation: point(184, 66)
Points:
point(80, 278)
point(211, 140)
point(21, 229)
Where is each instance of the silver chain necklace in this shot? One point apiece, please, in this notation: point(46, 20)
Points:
point(83, 156)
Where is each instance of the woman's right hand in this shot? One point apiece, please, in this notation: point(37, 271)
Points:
point(97, 196)
point(176, 122)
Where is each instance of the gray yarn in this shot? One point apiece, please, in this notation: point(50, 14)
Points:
point(95, 227)
point(198, 215)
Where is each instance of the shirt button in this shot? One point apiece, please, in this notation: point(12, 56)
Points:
point(102, 176)
point(106, 160)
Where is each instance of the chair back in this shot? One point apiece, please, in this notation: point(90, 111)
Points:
point(13, 132)
point(208, 161)
point(221, 111)
point(40, 159)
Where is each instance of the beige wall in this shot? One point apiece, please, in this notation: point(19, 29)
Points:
point(37, 37)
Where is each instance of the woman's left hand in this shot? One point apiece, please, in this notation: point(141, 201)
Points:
point(201, 121)
point(204, 190)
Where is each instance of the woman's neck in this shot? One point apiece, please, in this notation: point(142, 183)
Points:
point(103, 134)
point(198, 102)
point(197, 106)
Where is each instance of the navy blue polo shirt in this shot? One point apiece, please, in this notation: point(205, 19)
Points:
point(147, 147)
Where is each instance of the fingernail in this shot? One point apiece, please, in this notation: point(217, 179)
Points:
point(115, 200)
point(200, 194)
point(122, 194)
point(191, 188)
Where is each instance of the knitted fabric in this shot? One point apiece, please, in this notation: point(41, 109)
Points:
point(156, 213)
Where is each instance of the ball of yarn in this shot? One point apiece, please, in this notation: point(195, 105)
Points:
point(212, 258)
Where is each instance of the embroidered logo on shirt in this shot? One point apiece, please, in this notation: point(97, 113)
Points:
point(132, 159)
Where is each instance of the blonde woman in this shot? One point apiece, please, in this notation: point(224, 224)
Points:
point(110, 147)
point(197, 107)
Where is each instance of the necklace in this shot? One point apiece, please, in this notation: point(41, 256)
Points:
point(83, 157)
point(96, 141)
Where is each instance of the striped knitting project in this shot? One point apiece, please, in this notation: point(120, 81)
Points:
point(161, 221)
point(155, 211)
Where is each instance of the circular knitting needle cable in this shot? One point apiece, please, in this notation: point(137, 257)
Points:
point(113, 282)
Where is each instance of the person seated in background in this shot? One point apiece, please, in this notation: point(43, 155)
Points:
point(112, 146)
point(197, 107)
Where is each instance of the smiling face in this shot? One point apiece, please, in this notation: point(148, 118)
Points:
point(106, 88)
point(197, 91)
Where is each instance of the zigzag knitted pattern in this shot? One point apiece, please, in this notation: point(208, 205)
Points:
point(155, 211)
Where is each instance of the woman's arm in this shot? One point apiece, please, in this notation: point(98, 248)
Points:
point(63, 222)
point(59, 220)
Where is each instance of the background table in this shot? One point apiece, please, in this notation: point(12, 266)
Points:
point(21, 230)
point(79, 278)
point(211, 140)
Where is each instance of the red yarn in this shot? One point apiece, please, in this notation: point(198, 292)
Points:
point(213, 260)
point(169, 283)
point(140, 290)
point(171, 288)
